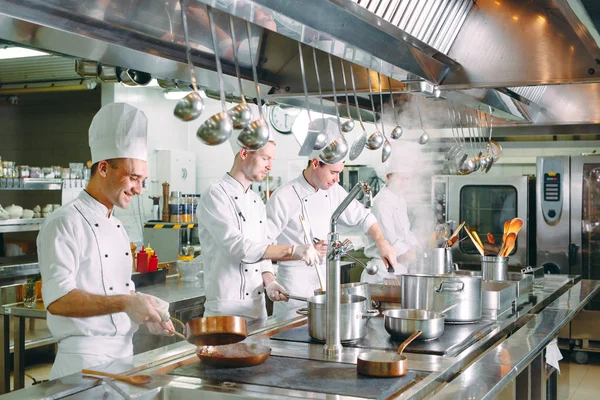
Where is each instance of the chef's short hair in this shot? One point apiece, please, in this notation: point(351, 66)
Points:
point(113, 162)
point(321, 163)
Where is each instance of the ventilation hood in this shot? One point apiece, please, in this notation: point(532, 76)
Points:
point(532, 63)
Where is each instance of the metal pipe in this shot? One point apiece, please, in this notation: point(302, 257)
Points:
point(333, 344)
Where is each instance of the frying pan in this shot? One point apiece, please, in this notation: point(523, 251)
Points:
point(217, 339)
point(401, 323)
point(234, 355)
point(216, 330)
point(385, 364)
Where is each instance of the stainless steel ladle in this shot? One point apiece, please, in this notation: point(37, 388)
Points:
point(397, 131)
point(424, 138)
point(321, 141)
point(191, 106)
point(359, 144)
point(386, 149)
point(217, 128)
point(256, 134)
point(241, 114)
point(375, 140)
point(348, 125)
point(335, 151)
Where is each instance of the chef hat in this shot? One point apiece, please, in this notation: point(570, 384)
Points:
point(233, 137)
point(400, 160)
point(331, 129)
point(118, 130)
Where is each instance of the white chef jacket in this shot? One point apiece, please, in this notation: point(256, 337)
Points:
point(391, 212)
point(80, 248)
point(298, 197)
point(232, 228)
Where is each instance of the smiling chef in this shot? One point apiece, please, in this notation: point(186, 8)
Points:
point(84, 253)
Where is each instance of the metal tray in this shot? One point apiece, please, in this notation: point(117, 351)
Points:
point(498, 296)
point(524, 284)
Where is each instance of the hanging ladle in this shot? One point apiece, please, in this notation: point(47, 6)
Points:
point(386, 150)
point(241, 114)
point(217, 128)
point(424, 138)
point(376, 139)
point(322, 137)
point(256, 134)
point(397, 131)
point(314, 140)
point(361, 140)
point(335, 151)
point(348, 125)
point(191, 106)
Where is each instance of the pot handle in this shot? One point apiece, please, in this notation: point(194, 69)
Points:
point(450, 287)
point(302, 311)
point(371, 314)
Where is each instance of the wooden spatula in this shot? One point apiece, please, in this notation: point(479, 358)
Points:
point(506, 226)
point(133, 379)
point(490, 238)
point(508, 243)
point(515, 226)
point(476, 236)
point(475, 243)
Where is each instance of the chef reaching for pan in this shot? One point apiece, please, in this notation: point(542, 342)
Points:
point(314, 195)
point(84, 254)
point(232, 225)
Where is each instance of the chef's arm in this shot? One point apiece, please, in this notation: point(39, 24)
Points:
point(386, 251)
point(80, 304)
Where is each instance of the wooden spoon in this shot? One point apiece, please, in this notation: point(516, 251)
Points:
point(475, 243)
point(133, 380)
point(452, 241)
point(508, 243)
point(515, 226)
point(457, 231)
point(490, 238)
point(506, 226)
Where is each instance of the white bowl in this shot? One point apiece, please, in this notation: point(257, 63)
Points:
point(28, 214)
point(189, 270)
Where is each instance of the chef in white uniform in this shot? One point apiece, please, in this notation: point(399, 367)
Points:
point(390, 209)
point(315, 194)
point(237, 253)
point(84, 253)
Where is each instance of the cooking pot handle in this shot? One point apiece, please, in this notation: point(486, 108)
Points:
point(302, 311)
point(450, 287)
point(371, 314)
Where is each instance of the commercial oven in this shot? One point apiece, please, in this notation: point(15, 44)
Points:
point(485, 203)
point(568, 225)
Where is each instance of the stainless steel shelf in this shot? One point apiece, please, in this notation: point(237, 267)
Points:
point(21, 225)
point(30, 184)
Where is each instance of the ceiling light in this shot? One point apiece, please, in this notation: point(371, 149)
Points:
point(19, 52)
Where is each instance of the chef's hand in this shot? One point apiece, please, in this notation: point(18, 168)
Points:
point(276, 292)
point(161, 328)
point(142, 309)
point(387, 253)
point(306, 253)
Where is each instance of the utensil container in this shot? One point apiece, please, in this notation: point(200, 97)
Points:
point(494, 268)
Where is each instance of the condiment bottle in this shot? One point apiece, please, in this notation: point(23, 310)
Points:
point(153, 263)
point(150, 251)
point(142, 261)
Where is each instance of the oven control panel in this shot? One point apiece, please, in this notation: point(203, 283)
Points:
point(551, 190)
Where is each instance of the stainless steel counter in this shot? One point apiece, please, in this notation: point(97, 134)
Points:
point(491, 362)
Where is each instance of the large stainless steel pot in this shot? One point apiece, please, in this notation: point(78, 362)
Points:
point(355, 288)
point(435, 292)
point(353, 317)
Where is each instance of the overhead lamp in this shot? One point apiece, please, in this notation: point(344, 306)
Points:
point(9, 52)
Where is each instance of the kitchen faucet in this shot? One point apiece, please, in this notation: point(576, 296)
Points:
point(335, 251)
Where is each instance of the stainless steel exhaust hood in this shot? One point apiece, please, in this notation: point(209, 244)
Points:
point(484, 53)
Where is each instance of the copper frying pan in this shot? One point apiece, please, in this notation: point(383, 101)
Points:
point(234, 355)
point(385, 364)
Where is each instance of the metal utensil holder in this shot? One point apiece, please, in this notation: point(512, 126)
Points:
point(494, 268)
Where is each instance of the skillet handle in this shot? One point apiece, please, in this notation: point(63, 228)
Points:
point(450, 287)
point(409, 341)
point(371, 314)
point(302, 311)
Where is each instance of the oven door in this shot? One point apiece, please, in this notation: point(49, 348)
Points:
point(485, 203)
